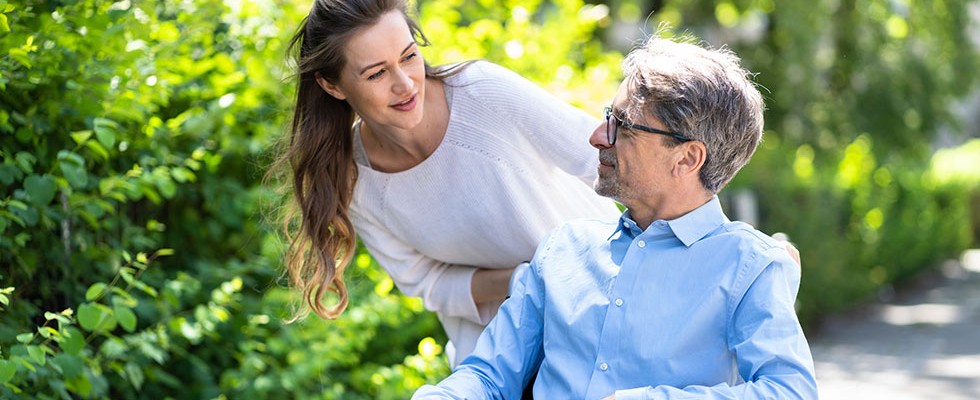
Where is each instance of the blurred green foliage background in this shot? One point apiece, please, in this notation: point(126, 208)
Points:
point(138, 258)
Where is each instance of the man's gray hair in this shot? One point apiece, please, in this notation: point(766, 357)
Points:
point(702, 93)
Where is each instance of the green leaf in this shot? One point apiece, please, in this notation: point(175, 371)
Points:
point(21, 56)
point(105, 131)
point(107, 319)
point(149, 290)
point(81, 136)
point(25, 161)
point(7, 370)
point(73, 167)
point(47, 331)
point(89, 316)
point(80, 384)
point(4, 28)
point(123, 298)
point(23, 361)
point(18, 205)
point(73, 341)
point(62, 319)
point(40, 189)
point(153, 352)
point(167, 187)
point(94, 291)
point(135, 374)
point(8, 173)
point(36, 353)
point(182, 175)
point(126, 273)
point(97, 149)
point(25, 337)
point(69, 365)
point(190, 331)
point(22, 238)
point(126, 318)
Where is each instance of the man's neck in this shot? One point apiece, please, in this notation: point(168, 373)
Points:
point(669, 208)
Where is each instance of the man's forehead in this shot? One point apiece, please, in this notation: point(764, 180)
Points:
point(623, 100)
point(628, 104)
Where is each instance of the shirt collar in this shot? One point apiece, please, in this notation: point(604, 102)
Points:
point(626, 223)
point(689, 228)
point(693, 226)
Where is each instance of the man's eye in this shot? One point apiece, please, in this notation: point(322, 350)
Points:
point(625, 130)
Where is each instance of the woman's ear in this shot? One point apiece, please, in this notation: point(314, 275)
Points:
point(328, 87)
point(690, 158)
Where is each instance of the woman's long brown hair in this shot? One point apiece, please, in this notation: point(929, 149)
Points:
point(320, 152)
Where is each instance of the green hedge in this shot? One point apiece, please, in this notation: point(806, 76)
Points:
point(862, 226)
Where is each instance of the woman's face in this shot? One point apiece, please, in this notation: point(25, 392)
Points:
point(384, 79)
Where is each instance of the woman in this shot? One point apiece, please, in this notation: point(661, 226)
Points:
point(449, 175)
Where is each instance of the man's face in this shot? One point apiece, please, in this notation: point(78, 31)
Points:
point(637, 169)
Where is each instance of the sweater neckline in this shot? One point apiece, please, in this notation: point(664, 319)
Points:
point(364, 163)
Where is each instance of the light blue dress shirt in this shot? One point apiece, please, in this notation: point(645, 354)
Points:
point(696, 307)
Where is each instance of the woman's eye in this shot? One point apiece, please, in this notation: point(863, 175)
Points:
point(409, 56)
point(375, 75)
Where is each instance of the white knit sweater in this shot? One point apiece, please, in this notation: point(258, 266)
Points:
point(514, 163)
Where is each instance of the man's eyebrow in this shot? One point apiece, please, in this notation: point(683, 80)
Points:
point(363, 70)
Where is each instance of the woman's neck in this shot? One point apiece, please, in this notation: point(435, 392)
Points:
point(394, 150)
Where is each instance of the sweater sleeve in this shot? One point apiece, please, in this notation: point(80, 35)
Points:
point(443, 287)
point(558, 131)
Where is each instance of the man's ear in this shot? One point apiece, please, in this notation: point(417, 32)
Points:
point(690, 158)
point(328, 87)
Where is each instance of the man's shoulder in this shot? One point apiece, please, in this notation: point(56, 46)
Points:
point(752, 241)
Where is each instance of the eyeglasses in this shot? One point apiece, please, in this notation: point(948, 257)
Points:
point(613, 123)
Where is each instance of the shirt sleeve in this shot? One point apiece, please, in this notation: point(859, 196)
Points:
point(444, 288)
point(771, 352)
point(508, 352)
point(558, 131)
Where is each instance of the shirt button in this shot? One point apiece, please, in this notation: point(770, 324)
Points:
point(603, 366)
point(626, 224)
point(641, 244)
point(619, 302)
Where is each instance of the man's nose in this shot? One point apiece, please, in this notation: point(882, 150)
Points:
point(598, 138)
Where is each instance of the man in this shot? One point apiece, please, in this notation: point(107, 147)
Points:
point(673, 300)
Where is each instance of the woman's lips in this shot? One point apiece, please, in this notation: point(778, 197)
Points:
point(406, 105)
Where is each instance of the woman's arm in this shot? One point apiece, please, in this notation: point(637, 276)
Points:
point(490, 285)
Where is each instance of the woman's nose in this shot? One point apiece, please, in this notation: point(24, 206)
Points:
point(403, 81)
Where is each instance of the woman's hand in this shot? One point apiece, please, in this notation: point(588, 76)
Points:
point(490, 284)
